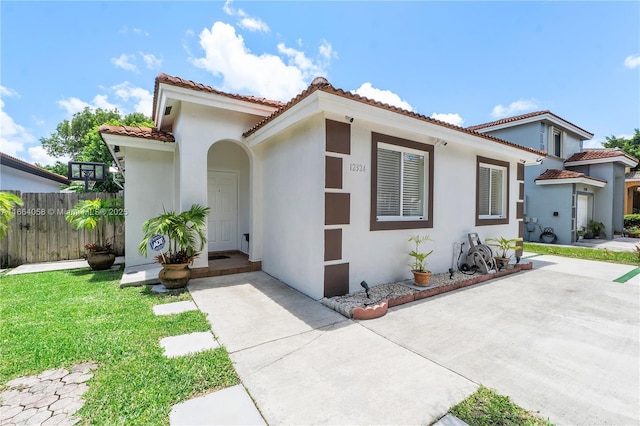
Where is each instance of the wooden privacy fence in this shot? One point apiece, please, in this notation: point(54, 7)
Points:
point(40, 233)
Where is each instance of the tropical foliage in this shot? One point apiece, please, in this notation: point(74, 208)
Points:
point(184, 232)
point(79, 140)
point(95, 214)
point(419, 258)
point(630, 146)
point(8, 203)
point(503, 245)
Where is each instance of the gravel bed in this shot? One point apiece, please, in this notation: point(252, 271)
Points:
point(344, 304)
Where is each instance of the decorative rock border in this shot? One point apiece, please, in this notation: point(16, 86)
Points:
point(380, 308)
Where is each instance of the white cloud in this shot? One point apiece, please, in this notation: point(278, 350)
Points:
point(246, 22)
point(124, 61)
point(143, 98)
point(326, 51)
point(5, 91)
point(141, 32)
point(13, 136)
point(227, 56)
point(632, 61)
point(40, 156)
point(514, 108)
point(384, 96)
point(253, 24)
point(151, 61)
point(72, 105)
point(450, 118)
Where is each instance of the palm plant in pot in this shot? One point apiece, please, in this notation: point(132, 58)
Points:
point(95, 214)
point(503, 247)
point(421, 275)
point(184, 232)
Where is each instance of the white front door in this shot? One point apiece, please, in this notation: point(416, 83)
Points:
point(582, 212)
point(223, 218)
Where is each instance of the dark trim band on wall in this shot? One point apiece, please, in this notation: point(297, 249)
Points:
point(376, 225)
point(337, 137)
point(519, 210)
point(332, 244)
point(499, 221)
point(520, 172)
point(520, 229)
point(333, 172)
point(337, 208)
point(521, 193)
point(336, 280)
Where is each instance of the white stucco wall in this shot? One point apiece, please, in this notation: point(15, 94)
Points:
point(293, 206)
point(148, 189)
point(382, 256)
point(18, 180)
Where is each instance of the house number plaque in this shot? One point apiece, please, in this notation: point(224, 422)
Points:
point(357, 167)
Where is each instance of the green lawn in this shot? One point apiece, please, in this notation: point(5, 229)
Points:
point(486, 408)
point(57, 319)
point(623, 257)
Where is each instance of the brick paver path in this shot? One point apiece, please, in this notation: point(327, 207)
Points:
point(50, 398)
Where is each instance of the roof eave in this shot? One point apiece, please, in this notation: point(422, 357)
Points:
point(615, 159)
point(580, 180)
point(583, 134)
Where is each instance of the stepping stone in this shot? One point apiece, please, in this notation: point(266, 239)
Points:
point(175, 308)
point(450, 420)
point(158, 288)
point(230, 406)
point(186, 344)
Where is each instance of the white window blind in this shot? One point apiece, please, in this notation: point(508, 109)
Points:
point(401, 183)
point(491, 191)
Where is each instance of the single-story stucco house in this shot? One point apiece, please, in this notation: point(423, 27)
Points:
point(18, 175)
point(324, 190)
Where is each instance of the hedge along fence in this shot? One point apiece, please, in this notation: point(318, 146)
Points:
point(632, 220)
point(40, 233)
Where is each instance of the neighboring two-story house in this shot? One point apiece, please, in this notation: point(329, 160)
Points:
point(570, 186)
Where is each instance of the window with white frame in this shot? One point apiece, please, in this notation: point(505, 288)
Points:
point(555, 142)
point(492, 199)
point(401, 183)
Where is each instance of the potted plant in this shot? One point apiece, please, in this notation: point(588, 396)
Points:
point(95, 214)
point(420, 274)
point(595, 228)
point(503, 247)
point(183, 232)
point(580, 233)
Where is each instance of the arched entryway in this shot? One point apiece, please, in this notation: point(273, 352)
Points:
point(228, 196)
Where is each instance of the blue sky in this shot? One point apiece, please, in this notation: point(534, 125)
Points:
point(462, 62)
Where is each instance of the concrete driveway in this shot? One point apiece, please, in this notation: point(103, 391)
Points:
point(563, 345)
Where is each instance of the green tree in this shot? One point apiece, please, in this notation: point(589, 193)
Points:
point(630, 146)
point(80, 140)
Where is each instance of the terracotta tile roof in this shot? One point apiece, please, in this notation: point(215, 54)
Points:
point(150, 133)
point(635, 175)
point(16, 163)
point(192, 85)
point(321, 84)
point(597, 154)
point(522, 117)
point(551, 174)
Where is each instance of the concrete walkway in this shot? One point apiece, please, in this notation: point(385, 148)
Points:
point(306, 364)
point(562, 344)
point(29, 268)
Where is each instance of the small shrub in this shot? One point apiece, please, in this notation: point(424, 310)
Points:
point(632, 220)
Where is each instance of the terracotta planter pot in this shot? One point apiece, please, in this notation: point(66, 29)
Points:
point(502, 262)
point(421, 278)
point(100, 260)
point(175, 276)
